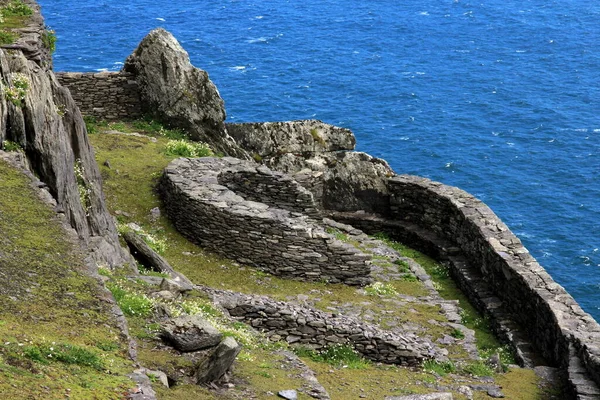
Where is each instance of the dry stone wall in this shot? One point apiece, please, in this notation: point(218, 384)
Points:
point(313, 328)
point(104, 95)
point(273, 188)
point(566, 335)
point(282, 242)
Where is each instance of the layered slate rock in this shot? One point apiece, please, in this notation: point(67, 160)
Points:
point(30, 41)
point(190, 333)
point(49, 127)
point(340, 181)
point(317, 329)
point(268, 139)
point(272, 235)
point(319, 157)
point(178, 93)
point(213, 368)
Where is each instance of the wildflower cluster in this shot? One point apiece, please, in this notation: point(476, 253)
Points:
point(15, 92)
point(184, 148)
point(381, 289)
point(85, 189)
point(133, 304)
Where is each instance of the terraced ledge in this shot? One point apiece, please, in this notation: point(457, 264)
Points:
point(271, 235)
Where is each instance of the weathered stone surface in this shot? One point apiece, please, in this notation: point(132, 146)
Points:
point(161, 376)
point(30, 38)
point(267, 139)
point(190, 333)
point(341, 181)
point(311, 327)
point(429, 396)
point(216, 366)
point(263, 224)
point(151, 259)
point(50, 129)
point(104, 95)
point(179, 94)
point(288, 394)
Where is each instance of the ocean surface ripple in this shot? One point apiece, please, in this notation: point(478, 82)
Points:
point(499, 98)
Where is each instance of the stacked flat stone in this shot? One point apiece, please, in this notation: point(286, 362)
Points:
point(273, 188)
point(104, 95)
point(283, 242)
point(566, 336)
point(318, 330)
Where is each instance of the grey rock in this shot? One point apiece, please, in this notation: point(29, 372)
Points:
point(190, 333)
point(144, 390)
point(55, 144)
point(213, 368)
point(161, 376)
point(179, 94)
point(429, 396)
point(340, 181)
point(175, 285)
point(267, 139)
point(288, 394)
point(495, 393)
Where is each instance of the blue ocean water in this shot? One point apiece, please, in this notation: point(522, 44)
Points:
point(500, 98)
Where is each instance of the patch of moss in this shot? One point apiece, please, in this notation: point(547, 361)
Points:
point(51, 305)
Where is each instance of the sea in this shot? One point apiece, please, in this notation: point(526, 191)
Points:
point(499, 97)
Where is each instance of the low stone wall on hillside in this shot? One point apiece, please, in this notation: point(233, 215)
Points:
point(313, 328)
point(104, 95)
point(564, 334)
point(268, 236)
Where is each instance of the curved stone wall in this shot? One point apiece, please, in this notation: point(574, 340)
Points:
point(565, 335)
point(268, 236)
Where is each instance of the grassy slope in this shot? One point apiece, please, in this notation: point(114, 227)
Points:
point(137, 159)
point(47, 302)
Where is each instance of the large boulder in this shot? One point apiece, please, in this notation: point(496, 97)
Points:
point(179, 94)
point(190, 333)
point(213, 368)
point(268, 139)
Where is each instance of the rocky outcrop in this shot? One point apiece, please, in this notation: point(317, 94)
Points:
point(30, 40)
point(319, 157)
point(45, 122)
point(340, 181)
point(269, 139)
point(179, 94)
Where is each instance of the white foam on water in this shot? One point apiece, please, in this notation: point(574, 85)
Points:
point(258, 40)
point(160, 19)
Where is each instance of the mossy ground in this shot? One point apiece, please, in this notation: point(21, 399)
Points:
point(135, 165)
point(10, 23)
point(47, 303)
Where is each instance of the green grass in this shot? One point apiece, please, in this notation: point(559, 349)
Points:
point(51, 299)
point(132, 304)
point(7, 37)
point(185, 148)
point(341, 356)
point(16, 8)
point(439, 368)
